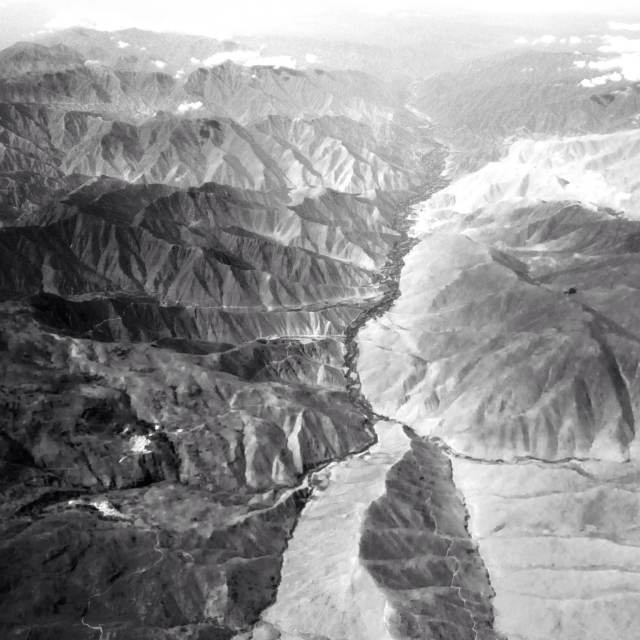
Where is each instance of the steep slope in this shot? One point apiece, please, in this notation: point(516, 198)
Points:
point(251, 93)
point(185, 401)
point(278, 152)
point(513, 346)
point(177, 294)
point(211, 261)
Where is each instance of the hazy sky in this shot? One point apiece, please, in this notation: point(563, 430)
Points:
point(237, 17)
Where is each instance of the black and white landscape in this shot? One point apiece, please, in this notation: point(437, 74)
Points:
point(321, 332)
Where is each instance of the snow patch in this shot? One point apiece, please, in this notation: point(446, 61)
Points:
point(189, 106)
point(179, 74)
point(160, 64)
point(140, 444)
point(106, 508)
point(311, 58)
point(122, 44)
point(521, 40)
point(91, 63)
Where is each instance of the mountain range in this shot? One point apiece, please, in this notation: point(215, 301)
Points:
point(309, 352)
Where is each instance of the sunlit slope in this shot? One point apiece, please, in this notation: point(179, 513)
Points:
point(260, 127)
point(516, 323)
point(561, 545)
point(298, 155)
point(600, 170)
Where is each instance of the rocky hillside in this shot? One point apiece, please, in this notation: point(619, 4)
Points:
point(296, 352)
point(514, 346)
point(181, 260)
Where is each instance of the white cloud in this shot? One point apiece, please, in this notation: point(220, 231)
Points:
point(625, 54)
point(599, 81)
point(179, 74)
point(624, 26)
point(248, 58)
point(575, 40)
point(122, 44)
point(160, 64)
point(195, 61)
point(189, 106)
point(311, 58)
point(620, 44)
point(546, 39)
point(581, 64)
point(253, 17)
point(521, 40)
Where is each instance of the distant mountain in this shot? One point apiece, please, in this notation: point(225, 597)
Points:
point(30, 57)
point(533, 93)
point(139, 50)
point(245, 94)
